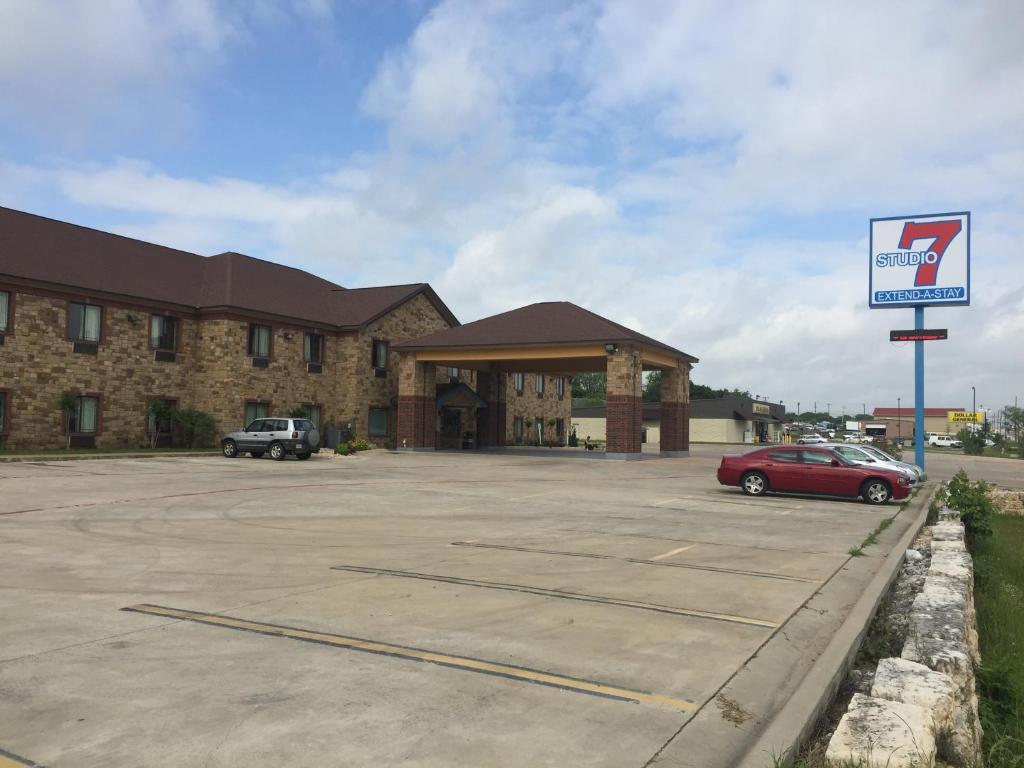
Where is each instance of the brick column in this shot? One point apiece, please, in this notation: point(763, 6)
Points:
point(624, 412)
point(490, 385)
point(675, 411)
point(417, 405)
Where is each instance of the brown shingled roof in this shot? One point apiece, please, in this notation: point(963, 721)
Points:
point(551, 322)
point(63, 255)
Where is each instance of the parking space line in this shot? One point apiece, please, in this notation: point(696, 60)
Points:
point(640, 561)
point(466, 663)
point(11, 760)
point(664, 555)
point(563, 595)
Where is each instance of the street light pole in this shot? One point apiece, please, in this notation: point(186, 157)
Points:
point(899, 421)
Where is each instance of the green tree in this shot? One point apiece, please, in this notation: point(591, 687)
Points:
point(652, 387)
point(67, 405)
point(590, 386)
point(161, 419)
point(1013, 418)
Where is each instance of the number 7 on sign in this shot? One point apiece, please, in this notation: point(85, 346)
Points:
point(942, 234)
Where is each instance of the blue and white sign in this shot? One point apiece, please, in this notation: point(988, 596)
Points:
point(919, 261)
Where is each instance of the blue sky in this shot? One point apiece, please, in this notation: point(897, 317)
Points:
point(702, 172)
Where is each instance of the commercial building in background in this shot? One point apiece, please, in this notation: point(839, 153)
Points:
point(899, 422)
point(731, 419)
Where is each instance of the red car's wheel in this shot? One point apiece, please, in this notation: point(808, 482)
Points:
point(876, 491)
point(754, 483)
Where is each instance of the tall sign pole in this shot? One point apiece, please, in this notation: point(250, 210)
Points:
point(920, 261)
point(919, 390)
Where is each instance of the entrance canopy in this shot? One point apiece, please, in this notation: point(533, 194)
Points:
point(547, 338)
point(550, 337)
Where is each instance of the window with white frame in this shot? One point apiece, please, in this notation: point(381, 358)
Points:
point(540, 384)
point(314, 349)
point(560, 387)
point(518, 382)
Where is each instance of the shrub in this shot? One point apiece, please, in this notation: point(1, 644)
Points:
point(341, 449)
point(972, 501)
point(359, 445)
point(974, 442)
point(574, 441)
point(197, 428)
point(890, 447)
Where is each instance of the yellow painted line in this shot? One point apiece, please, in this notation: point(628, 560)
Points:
point(418, 654)
point(562, 594)
point(8, 762)
point(663, 555)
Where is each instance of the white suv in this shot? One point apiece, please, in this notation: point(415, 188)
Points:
point(945, 441)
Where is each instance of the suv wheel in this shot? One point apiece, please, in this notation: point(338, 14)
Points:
point(230, 449)
point(302, 456)
point(876, 492)
point(277, 451)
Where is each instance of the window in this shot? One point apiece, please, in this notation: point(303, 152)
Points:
point(560, 428)
point(378, 422)
point(453, 374)
point(784, 457)
point(540, 385)
point(379, 355)
point(560, 387)
point(83, 419)
point(163, 333)
point(816, 457)
point(517, 382)
point(538, 430)
point(314, 350)
point(84, 322)
point(312, 414)
point(5, 311)
point(517, 429)
point(256, 410)
point(3, 413)
point(259, 340)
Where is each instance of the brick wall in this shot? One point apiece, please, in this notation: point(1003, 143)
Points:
point(528, 406)
point(213, 371)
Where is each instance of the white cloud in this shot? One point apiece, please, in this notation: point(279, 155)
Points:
point(687, 169)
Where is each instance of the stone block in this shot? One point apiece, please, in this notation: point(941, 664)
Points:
point(948, 530)
point(913, 683)
point(878, 733)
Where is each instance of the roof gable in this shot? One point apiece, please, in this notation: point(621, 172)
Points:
point(553, 322)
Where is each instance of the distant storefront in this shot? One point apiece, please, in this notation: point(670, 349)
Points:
point(732, 419)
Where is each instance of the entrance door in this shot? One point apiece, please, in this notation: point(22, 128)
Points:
point(451, 427)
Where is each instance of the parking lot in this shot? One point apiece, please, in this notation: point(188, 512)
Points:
point(386, 609)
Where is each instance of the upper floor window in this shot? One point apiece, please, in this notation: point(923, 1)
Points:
point(83, 419)
point(314, 348)
point(540, 384)
point(380, 355)
point(163, 333)
point(517, 382)
point(5, 311)
point(259, 340)
point(84, 322)
point(560, 387)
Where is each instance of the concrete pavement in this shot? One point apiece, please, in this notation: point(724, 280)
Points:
point(412, 609)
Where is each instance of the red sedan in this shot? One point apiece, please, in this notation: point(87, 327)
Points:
point(803, 469)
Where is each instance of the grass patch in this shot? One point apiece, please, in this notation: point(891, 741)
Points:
point(999, 597)
point(98, 451)
point(871, 539)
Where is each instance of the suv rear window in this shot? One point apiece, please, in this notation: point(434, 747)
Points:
point(304, 425)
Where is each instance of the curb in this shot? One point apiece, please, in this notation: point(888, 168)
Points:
point(99, 456)
point(792, 725)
